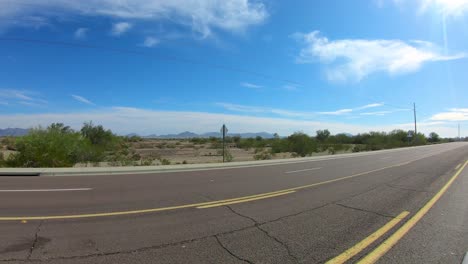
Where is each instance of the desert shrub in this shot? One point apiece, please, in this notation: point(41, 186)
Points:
point(2, 160)
point(147, 161)
point(60, 146)
point(301, 144)
point(263, 156)
point(165, 162)
point(9, 143)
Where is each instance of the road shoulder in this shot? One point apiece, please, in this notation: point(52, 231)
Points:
point(442, 234)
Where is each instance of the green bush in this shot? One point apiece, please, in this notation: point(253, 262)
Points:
point(165, 162)
point(301, 144)
point(60, 146)
point(56, 146)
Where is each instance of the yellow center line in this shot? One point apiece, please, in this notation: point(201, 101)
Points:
point(151, 210)
point(356, 249)
point(244, 200)
point(383, 248)
point(458, 166)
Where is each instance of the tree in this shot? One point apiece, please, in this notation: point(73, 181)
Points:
point(55, 146)
point(98, 135)
point(322, 135)
point(301, 144)
point(434, 137)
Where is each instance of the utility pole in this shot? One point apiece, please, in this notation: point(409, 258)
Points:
point(414, 111)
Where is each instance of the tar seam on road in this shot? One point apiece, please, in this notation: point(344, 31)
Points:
point(294, 171)
point(49, 190)
point(363, 244)
point(152, 210)
point(383, 248)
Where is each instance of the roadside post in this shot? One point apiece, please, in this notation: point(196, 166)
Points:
point(410, 135)
point(224, 130)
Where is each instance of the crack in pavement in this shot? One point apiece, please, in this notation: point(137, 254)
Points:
point(258, 226)
point(230, 252)
point(36, 237)
point(364, 210)
point(209, 236)
point(406, 189)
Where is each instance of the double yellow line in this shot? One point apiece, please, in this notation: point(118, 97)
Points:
point(244, 199)
point(385, 246)
point(201, 205)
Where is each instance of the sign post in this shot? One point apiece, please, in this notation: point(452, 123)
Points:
point(224, 131)
point(410, 135)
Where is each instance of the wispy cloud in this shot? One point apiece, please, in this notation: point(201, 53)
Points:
point(355, 59)
point(120, 28)
point(80, 33)
point(251, 85)
point(454, 114)
point(377, 113)
point(201, 16)
point(13, 96)
point(150, 42)
point(290, 113)
point(370, 106)
point(337, 112)
point(82, 99)
point(125, 120)
point(265, 110)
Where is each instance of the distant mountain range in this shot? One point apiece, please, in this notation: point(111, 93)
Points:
point(22, 131)
point(188, 134)
point(13, 132)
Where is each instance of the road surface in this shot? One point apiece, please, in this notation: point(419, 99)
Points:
point(338, 209)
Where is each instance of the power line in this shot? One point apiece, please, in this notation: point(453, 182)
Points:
point(148, 55)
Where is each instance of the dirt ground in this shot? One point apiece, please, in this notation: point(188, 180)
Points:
point(178, 151)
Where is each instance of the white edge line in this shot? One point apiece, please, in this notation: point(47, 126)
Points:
point(318, 168)
point(465, 259)
point(49, 190)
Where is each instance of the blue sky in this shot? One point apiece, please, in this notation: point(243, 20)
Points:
point(169, 66)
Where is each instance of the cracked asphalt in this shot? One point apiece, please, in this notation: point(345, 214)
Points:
point(311, 225)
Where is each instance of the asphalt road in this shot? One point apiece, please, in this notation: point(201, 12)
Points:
point(300, 212)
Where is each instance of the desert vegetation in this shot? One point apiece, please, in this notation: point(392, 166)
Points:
point(60, 146)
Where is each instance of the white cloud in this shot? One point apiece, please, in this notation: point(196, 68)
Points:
point(125, 120)
point(150, 42)
point(354, 59)
point(201, 16)
point(337, 112)
point(13, 97)
point(120, 28)
point(251, 85)
point(82, 99)
point(80, 33)
point(264, 110)
point(454, 114)
point(371, 105)
point(289, 113)
point(377, 113)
